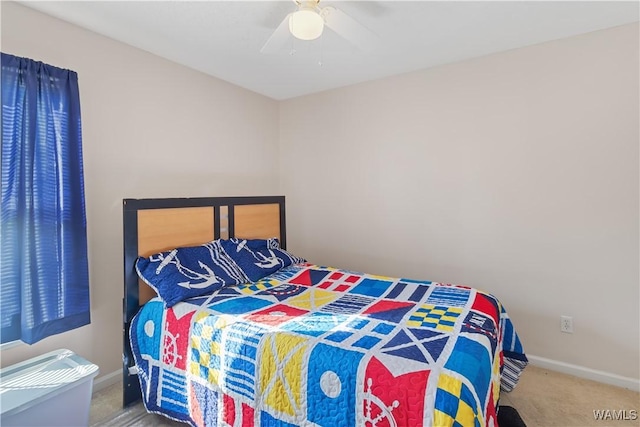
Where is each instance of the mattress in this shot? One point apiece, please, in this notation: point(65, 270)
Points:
point(317, 346)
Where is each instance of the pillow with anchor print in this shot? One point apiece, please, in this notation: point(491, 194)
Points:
point(259, 258)
point(189, 272)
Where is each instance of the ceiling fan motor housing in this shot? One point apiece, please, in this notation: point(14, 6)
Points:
point(306, 23)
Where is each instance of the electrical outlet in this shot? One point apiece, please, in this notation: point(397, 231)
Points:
point(566, 324)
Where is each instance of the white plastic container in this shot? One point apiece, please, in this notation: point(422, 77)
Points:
point(49, 390)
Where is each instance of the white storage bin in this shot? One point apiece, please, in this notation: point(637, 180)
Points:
point(49, 390)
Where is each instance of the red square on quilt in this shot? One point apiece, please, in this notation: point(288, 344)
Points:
point(176, 339)
point(276, 315)
point(336, 281)
point(392, 311)
point(352, 279)
point(229, 409)
point(391, 400)
point(387, 305)
point(485, 305)
point(247, 415)
point(244, 418)
point(309, 277)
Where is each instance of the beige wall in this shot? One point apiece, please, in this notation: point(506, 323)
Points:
point(151, 128)
point(516, 173)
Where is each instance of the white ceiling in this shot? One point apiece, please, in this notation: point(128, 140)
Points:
point(223, 38)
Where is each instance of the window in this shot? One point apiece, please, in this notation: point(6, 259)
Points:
point(44, 288)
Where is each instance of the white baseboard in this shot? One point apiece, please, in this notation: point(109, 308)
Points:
point(107, 380)
point(584, 372)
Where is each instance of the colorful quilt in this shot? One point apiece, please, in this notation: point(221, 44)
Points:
point(317, 346)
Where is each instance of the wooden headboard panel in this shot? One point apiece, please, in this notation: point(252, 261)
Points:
point(156, 225)
point(164, 229)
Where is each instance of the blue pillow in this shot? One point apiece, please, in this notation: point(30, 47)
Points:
point(258, 258)
point(189, 272)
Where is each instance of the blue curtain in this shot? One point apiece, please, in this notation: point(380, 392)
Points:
point(43, 254)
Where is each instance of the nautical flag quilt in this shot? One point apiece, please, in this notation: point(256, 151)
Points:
point(317, 346)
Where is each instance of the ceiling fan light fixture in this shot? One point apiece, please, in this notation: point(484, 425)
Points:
point(306, 24)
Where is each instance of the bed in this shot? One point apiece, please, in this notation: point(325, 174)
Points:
point(305, 344)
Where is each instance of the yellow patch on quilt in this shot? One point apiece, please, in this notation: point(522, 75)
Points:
point(428, 315)
point(200, 316)
point(278, 398)
point(442, 419)
point(207, 331)
point(214, 376)
point(215, 347)
point(253, 288)
point(465, 415)
point(223, 321)
point(312, 298)
point(195, 341)
point(450, 384)
point(496, 380)
point(281, 370)
point(204, 358)
point(194, 367)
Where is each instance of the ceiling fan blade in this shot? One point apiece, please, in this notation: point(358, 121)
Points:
point(278, 38)
point(349, 29)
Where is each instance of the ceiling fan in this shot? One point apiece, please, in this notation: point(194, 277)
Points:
point(307, 23)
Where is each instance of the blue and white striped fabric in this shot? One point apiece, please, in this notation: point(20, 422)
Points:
point(514, 358)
